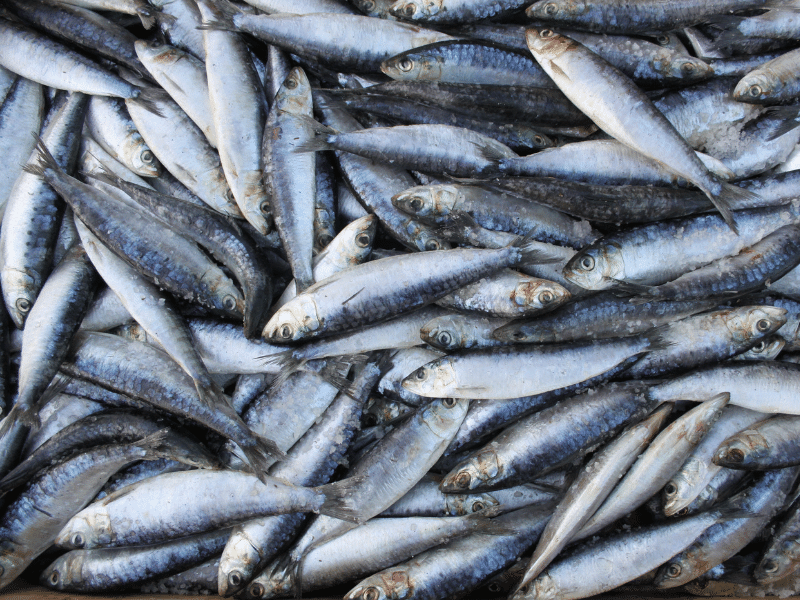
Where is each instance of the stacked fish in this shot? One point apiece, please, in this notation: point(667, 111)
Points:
point(397, 294)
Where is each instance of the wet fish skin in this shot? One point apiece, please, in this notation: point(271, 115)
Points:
point(768, 444)
point(780, 557)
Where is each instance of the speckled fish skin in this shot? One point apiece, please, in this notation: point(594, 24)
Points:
point(631, 118)
point(291, 175)
point(452, 11)
point(467, 61)
point(184, 78)
point(238, 105)
point(768, 444)
point(639, 254)
point(763, 499)
point(698, 470)
point(515, 457)
point(139, 8)
point(458, 567)
point(496, 211)
point(352, 43)
point(614, 16)
point(590, 488)
point(31, 218)
point(159, 508)
point(774, 82)
point(654, 467)
point(32, 522)
point(781, 556)
point(350, 298)
point(302, 8)
point(104, 569)
point(523, 370)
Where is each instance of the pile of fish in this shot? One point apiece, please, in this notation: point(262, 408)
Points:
point(400, 298)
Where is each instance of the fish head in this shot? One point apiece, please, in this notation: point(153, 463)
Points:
point(546, 44)
point(394, 584)
point(476, 471)
point(157, 52)
point(294, 95)
point(766, 349)
point(432, 380)
point(686, 69)
point(412, 66)
point(748, 323)
point(425, 238)
point(20, 289)
point(777, 563)
point(228, 297)
point(466, 504)
point(445, 333)
point(141, 157)
point(253, 200)
point(677, 571)
point(674, 494)
point(756, 87)
point(360, 236)
point(541, 588)
point(596, 266)
point(80, 532)
point(741, 450)
point(296, 320)
point(539, 294)
point(64, 571)
point(443, 414)
point(13, 560)
point(371, 8)
point(413, 10)
point(427, 200)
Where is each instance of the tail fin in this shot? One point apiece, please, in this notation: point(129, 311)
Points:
point(789, 114)
point(148, 98)
point(224, 12)
point(44, 160)
point(341, 503)
point(155, 445)
point(642, 293)
point(532, 251)
point(147, 15)
point(316, 144)
point(731, 195)
point(261, 455)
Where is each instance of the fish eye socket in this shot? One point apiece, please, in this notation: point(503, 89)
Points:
point(409, 10)
point(663, 39)
point(493, 587)
point(463, 480)
point(369, 5)
point(587, 263)
point(762, 325)
point(229, 302)
point(674, 570)
point(670, 489)
point(449, 402)
point(687, 67)
point(770, 566)
point(539, 140)
point(286, 332)
point(147, 157)
point(756, 91)
point(291, 83)
point(265, 207)
point(415, 204)
point(420, 374)
point(683, 512)
point(549, 9)
point(77, 540)
point(229, 196)
point(23, 305)
point(760, 347)
point(735, 455)
point(444, 339)
point(548, 33)
point(363, 240)
point(324, 239)
point(256, 590)
point(54, 578)
point(371, 594)
point(406, 65)
point(235, 578)
point(478, 506)
point(432, 245)
point(546, 297)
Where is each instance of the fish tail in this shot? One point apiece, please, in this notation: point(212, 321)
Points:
point(148, 98)
point(317, 144)
point(156, 446)
point(223, 19)
point(532, 252)
point(340, 500)
point(731, 195)
point(146, 14)
point(286, 363)
point(789, 114)
point(44, 160)
point(316, 125)
point(641, 293)
point(261, 455)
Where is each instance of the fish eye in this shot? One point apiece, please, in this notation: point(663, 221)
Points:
point(663, 39)
point(735, 455)
point(154, 44)
point(229, 196)
point(670, 489)
point(256, 590)
point(539, 140)
point(756, 91)
point(286, 332)
point(235, 578)
point(265, 206)
point(759, 347)
point(449, 402)
point(415, 204)
point(324, 239)
point(463, 480)
point(369, 5)
point(549, 9)
point(291, 83)
point(229, 302)
point(546, 33)
point(23, 305)
point(587, 263)
point(409, 10)
point(493, 587)
point(687, 67)
point(54, 578)
point(762, 325)
point(363, 240)
point(683, 512)
point(546, 297)
point(406, 64)
point(147, 157)
point(371, 593)
point(770, 566)
point(420, 374)
point(478, 506)
point(77, 540)
point(444, 339)
point(674, 570)
point(370, 420)
point(432, 245)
